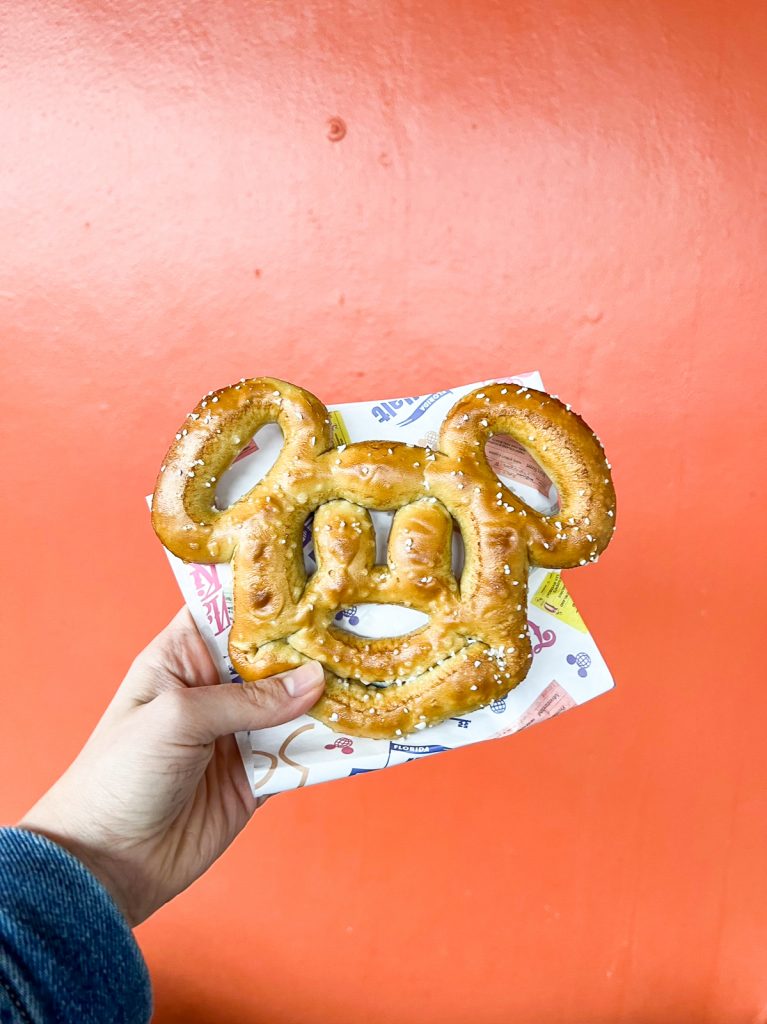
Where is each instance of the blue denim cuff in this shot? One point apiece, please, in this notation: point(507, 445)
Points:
point(66, 952)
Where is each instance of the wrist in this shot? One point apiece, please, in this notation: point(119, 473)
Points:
point(89, 855)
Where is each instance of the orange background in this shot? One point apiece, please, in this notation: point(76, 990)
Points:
point(574, 187)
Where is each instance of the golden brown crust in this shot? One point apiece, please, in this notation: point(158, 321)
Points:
point(475, 647)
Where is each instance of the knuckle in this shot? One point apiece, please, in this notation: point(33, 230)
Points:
point(260, 695)
point(170, 709)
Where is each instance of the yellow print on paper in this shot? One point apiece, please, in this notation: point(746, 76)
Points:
point(553, 598)
point(340, 433)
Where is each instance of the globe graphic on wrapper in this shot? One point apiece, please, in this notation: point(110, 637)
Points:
point(582, 660)
point(498, 706)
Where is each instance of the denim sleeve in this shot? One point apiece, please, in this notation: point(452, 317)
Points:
point(66, 952)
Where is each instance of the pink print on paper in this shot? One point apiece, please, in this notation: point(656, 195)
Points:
point(553, 701)
point(249, 448)
point(210, 591)
point(342, 743)
point(541, 637)
point(509, 460)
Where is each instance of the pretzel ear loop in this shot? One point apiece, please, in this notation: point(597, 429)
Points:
point(567, 450)
point(475, 647)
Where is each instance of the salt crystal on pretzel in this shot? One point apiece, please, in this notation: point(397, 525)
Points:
point(475, 647)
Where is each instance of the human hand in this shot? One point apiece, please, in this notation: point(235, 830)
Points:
point(159, 790)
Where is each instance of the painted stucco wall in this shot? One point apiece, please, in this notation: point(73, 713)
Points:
point(573, 187)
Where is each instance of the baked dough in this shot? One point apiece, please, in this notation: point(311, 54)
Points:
point(475, 647)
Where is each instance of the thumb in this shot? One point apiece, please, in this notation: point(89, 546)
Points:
point(200, 714)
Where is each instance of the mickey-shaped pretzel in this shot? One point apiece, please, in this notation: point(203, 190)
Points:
point(475, 647)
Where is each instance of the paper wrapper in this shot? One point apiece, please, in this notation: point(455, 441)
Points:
point(566, 670)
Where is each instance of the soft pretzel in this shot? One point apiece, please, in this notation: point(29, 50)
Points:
point(475, 647)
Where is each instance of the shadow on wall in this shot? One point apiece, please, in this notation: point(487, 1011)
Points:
point(177, 1003)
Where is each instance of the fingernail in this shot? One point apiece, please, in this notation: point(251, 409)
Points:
point(303, 679)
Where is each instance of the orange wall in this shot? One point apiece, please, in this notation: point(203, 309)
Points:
point(577, 187)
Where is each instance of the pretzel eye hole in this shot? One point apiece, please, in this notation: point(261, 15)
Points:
point(382, 527)
point(515, 467)
point(252, 464)
point(307, 543)
point(376, 621)
point(458, 553)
